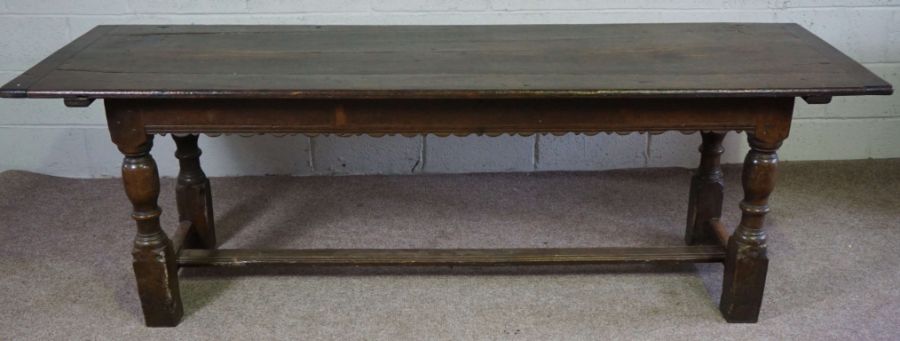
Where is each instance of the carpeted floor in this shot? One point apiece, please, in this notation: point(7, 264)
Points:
point(834, 249)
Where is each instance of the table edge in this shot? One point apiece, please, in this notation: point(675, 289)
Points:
point(886, 89)
point(19, 87)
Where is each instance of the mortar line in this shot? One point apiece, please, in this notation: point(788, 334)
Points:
point(311, 154)
point(647, 150)
point(423, 156)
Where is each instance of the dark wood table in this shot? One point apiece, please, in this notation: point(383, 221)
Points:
point(189, 80)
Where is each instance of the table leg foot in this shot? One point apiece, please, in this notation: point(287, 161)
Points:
point(155, 266)
point(194, 194)
point(746, 262)
point(705, 200)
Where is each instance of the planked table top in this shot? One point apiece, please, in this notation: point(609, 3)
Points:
point(620, 60)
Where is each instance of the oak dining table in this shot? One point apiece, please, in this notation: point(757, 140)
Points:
point(706, 78)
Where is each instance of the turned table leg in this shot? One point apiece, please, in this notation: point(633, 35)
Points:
point(154, 261)
point(193, 194)
point(746, 262)
point(705, 200)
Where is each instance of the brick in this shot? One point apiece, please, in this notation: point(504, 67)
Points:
point(28, 40)
point(81, 24)
point(717, 16)
point(598, 152)
point(52, 151)
point(66, 7)
point(884, 141)
point(893, 44)
point(430, 5)
point(513, 5)
point(392, 18)
point(674, 149)
point(367, 155)
point(455, 154)
point(860, 33)
point(256, 155)
point(479, 18)
point(188, 7)
point(745, 4)
point(805, 110)
point(817, 139)
point(49, 111)
point(838, 3)
point(308, 6)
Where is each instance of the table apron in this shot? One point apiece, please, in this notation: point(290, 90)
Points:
point(441, 116)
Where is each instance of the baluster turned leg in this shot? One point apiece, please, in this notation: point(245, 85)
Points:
point(193, 194)
point(154, 261)
point(705, 200)
point(746, 262)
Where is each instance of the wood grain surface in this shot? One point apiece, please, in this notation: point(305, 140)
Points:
point(621, 60)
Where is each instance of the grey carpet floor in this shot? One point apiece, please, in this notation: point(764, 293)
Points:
point(834, 248)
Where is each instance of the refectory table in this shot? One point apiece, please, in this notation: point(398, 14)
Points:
point(190, 80)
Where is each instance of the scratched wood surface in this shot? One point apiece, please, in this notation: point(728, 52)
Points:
point(631, 60)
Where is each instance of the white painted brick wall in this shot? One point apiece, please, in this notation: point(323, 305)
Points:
point(365, 154)
point(582, 152)
point(455, 154)
point(44, 136)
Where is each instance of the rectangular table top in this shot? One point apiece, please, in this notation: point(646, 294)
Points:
point(514, 61)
